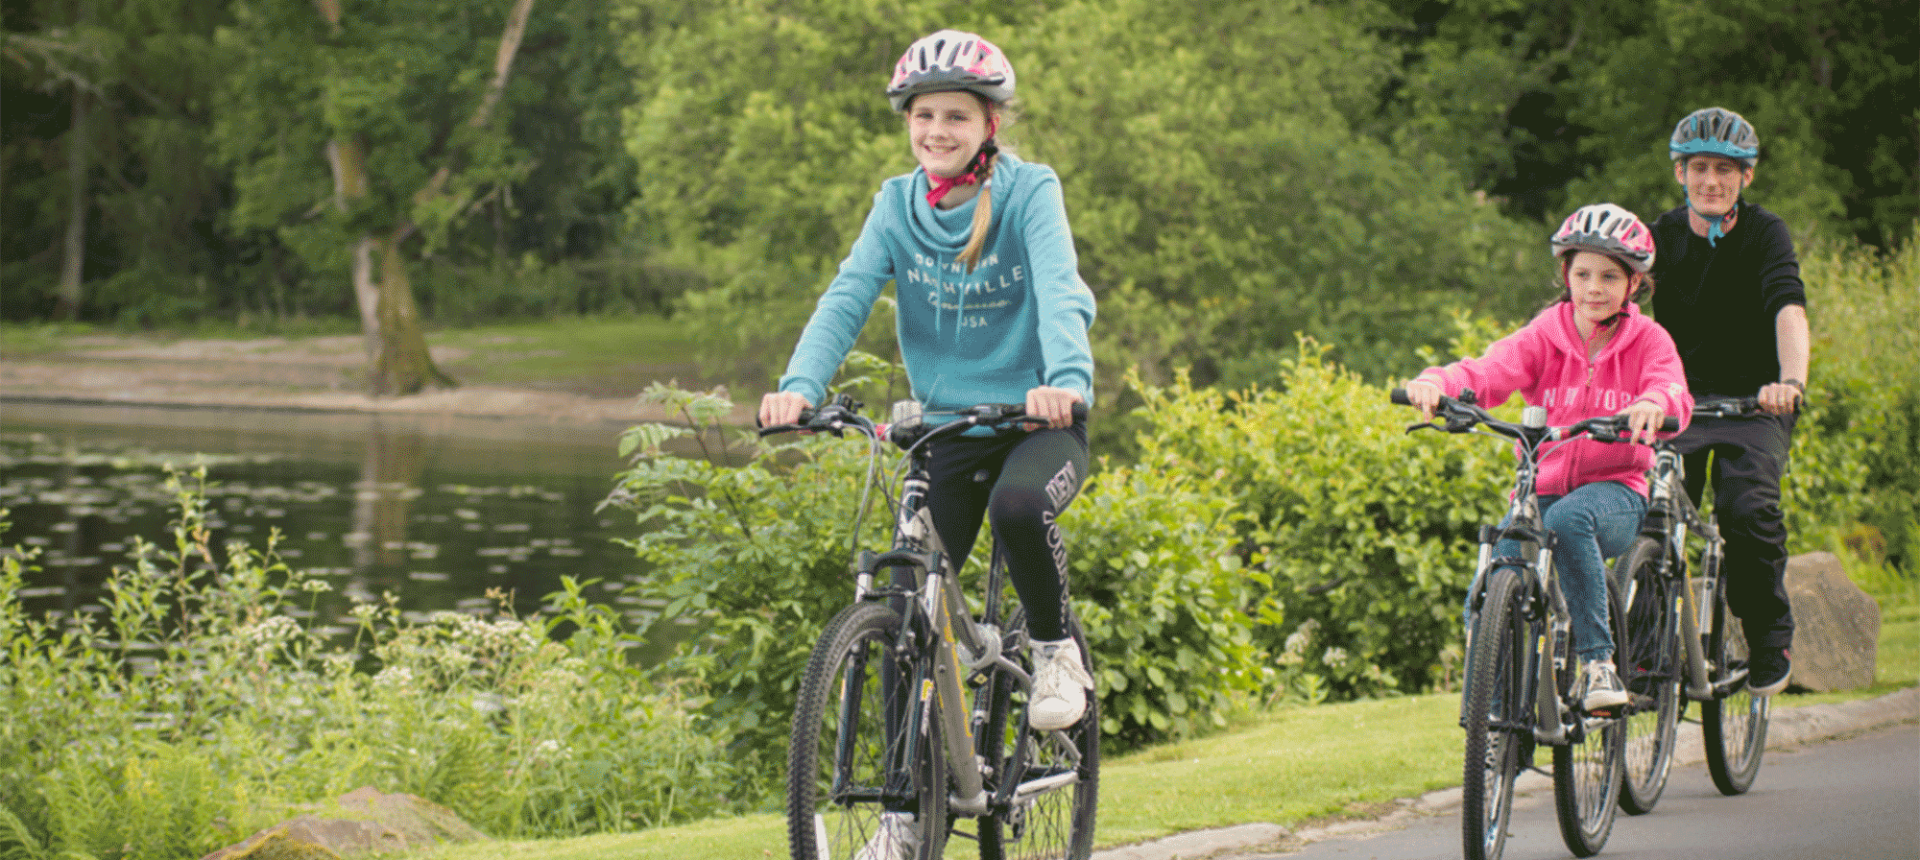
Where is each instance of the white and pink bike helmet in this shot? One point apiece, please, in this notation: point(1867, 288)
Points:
point(947, 61)
point(1606, 229)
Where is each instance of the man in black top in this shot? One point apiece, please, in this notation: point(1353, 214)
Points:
point(1730, 294)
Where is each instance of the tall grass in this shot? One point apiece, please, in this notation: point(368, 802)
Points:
point(204, 700)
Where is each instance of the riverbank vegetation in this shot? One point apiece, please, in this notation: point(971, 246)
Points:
point(204, 700)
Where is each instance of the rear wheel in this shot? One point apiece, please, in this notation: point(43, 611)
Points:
point(1051, 778)
point(1734, 726)
point(845, 757)
point(1649, 660)
point(1586, 769)
point(1494, 716)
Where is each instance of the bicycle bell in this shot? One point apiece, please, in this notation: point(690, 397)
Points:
point(905, 414)
point(1534, 417)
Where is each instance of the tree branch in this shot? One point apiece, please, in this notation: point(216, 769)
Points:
point(516, 29)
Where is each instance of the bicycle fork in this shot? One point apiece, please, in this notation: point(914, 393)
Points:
point(1551, 711)
point(1694, 621)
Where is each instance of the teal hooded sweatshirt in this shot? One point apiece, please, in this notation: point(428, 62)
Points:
point(1017, 321)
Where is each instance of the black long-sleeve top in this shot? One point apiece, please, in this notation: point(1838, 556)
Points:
point(1719, 301)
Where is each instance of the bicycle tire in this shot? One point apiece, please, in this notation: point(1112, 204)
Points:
point(843, 757)
point(1650, 662)
point(1494, 714)
point(1734, 726)
point(1587, 769)
point(1055, 824)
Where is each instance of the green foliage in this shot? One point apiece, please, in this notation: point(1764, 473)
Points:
point(115, 89)
point(754, 553)
point(1224, 195)
point(1365, 533)
point(1856, 456)
point(1169, 610)
point(196, 707)
point(749, 545)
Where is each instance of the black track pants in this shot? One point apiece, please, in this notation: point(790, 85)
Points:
point(1749, 458)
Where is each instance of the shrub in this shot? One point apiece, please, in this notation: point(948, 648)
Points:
point(1856, 456)
point(1366, 535)
point(1168, 607)
point(755, 554)
point(199, 705)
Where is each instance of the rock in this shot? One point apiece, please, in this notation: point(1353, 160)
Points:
point(1836, 625)
point(364, 821)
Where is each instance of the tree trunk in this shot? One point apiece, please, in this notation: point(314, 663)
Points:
point(67, 298)
point(404, 364)
point(401, 363)
point(349, 166)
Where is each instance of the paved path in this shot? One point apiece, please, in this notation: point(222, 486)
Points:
point(1790, 728)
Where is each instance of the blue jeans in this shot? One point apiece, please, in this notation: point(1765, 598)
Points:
point(1593, 523)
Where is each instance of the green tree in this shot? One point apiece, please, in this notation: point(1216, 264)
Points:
point(1559, 105)
point(108, 192)
point(1225, 197)
point(358, 132)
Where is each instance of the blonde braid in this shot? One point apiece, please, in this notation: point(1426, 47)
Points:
point(982, 214)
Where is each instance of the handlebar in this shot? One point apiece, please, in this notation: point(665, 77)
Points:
point(841, 414)
point(1729, 407)
point(1462, 414)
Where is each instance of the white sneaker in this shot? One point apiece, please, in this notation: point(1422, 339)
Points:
point(1601, 687)
point(895, 840)
point(1060, 685)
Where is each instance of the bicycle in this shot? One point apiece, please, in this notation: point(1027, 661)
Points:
point(909, 702)
point(1520, 662)
point(1683, 638)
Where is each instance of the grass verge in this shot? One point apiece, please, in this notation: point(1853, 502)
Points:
point(1289, 766)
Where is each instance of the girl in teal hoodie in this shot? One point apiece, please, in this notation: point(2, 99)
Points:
point(991, 309)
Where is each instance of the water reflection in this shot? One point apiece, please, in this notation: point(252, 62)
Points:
point(435, 510)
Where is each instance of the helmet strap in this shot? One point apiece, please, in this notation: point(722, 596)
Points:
point(938, 186)
point(1716, 227)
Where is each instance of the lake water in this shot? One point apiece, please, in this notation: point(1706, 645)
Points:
point(435, 510)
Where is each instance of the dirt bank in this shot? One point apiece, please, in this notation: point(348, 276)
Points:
point(275, 373)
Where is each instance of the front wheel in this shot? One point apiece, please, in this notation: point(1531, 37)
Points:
point(1649, 660)
point(1734, 725)
point(1495, 716)
point(1050, 779)
point(1586, 769)
point(848, 780)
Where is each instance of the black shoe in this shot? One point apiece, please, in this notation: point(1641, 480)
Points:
point(1768, 670)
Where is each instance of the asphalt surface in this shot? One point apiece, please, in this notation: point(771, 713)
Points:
point(1789, 729)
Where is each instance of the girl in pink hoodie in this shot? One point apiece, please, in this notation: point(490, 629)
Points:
point(1588, 354)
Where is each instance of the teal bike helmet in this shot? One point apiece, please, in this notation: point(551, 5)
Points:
point(1715, 131)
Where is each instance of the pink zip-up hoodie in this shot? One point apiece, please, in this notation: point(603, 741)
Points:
point(1547, 363)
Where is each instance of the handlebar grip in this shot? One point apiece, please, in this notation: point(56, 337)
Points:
point(1669, 424)
point(1016, 411)
point(1399, 396)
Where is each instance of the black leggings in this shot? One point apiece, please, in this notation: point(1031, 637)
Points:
point(1023, 481)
